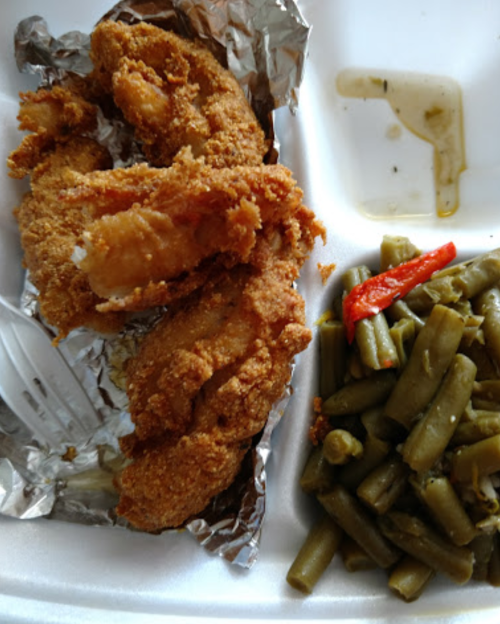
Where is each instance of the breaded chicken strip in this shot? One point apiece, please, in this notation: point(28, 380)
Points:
point(192, 213)
point(202, 386)
point(49, 233)
point(175, 93)
point(53, 117)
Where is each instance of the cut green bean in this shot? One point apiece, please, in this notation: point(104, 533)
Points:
point(374, 452)
point(403, 336)
point(479, 274)
point(482, 458)
point(360, 395)
point(434, 349)
point(378, 425)
point(400, 310)
point(479, 354)
point(357, 523)
point(419, 540)
point(394, 250)
point(485, 425)
point(315, 554)
point(463, 307)
point(482, 547)
point(340, 447)
point(438, 495)
point(494, 564)
point(372, 335)
point(473, 331)
point(487, 389)
point(461, 281)
point(318, 474)
point(354, 557)
point(384, 485)
point(439, 290)
point(355, 367)
point(432, 433)
point(333, 357)
point(409, 578)
point(487, 304)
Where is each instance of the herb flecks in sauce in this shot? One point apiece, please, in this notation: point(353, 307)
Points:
point(431, 108)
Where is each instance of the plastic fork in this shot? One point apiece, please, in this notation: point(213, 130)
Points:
point(37, 383)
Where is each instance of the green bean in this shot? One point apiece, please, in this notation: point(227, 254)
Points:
point(419, 540)
point(494, 564)
point(318, 474)
point(354, 557)
point(340, 446)
point(384, 485)
point(434, 349)
point(479, 274)
point(430, 436)
point(439, 290)
point(378, 425)
point(485, 425)
point(461, 281)
point(360, 395)
point(478, 353)
point(469, 413)
point(487, 304)
point(409, 578)
point(372, 335)
point(438, 495)
point(403, 336)
point(463, 307)
point(374, 452)
point(481, 458)
point(487, 391)
point(485, 405)
point(400, 310)
point(356, 522)
point(355, 367)
point(315, 554)
point(473, 331)
point(333, 357)
point(394, 250)
point(482, 547)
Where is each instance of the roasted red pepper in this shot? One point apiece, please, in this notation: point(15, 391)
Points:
point(379, 291)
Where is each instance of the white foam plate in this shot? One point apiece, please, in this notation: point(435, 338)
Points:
point(57, 572)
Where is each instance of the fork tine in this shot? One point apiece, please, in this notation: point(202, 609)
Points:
point(38, 389)
point(15, 394)
point(49, 383)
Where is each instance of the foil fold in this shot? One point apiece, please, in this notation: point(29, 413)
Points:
point(264, 43)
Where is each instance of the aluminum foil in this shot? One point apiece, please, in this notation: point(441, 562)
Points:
point(264, 43)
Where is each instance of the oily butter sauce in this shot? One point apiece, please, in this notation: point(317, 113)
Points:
point(428, 106)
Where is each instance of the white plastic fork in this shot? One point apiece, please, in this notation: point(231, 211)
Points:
point(37, 383)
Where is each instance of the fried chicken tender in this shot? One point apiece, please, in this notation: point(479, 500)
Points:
point(202, 386)
point(175, 93)
point(192, 213)
point(211, 232)
point(49, 233)
point(53, 117)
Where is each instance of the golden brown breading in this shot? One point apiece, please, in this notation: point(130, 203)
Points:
point(192, 213)
point(217, 236)
point(202, 386)
point(187, 475)
point(52, 116)
point(49, 233)
point(175, 93)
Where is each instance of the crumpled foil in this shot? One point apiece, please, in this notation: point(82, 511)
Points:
point(264, 43)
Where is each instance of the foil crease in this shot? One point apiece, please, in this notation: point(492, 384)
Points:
point(264, 43)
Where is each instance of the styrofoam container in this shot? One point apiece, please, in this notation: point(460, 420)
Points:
point(60, 572)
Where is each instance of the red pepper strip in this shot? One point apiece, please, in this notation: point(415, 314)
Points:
point(378, 292)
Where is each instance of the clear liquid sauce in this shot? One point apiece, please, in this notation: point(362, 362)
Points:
point(431, 108)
